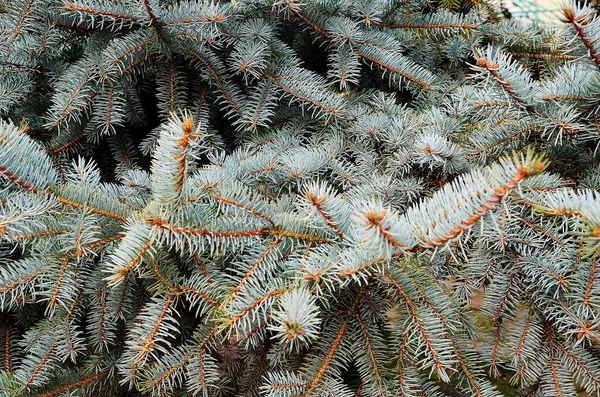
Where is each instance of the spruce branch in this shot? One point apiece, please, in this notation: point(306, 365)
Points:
point(504, 177)
point(209, 198)
point(580, 21)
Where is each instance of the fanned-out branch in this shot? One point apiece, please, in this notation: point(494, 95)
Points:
point(74, 385)
point(241, 199)
point(462, 203)
point(259, 109)
point(384, 225)
point(308, 87)
point(296, 320)
point(74, 93)
point(236, 290)
point(345, 67)
point(21, 11)
point(573, 84)
point(210, 14)
point(104, 14)
point(123, 53)
point(509, 75)
point(209, 62)
point(18, 279)
point(371, 365)
point(583, 364)
point(18, 209)
point(398, 66)
point(587, 27)
point(324, 365)
point(41, 351)
point(93, 200)
point(390, 62)
point(172, 94)
point(152, 333)
point(289, 383)
point(178, 145)
point(489, 142)
point(440, 22)
point(437, 350)
point(23, 161)
point(198, 239)
point(320, 198)
point(130, 251)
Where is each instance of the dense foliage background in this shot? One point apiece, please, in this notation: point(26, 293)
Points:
point(326, 198)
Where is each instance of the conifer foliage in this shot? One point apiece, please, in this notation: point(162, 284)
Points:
point(284, 198)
